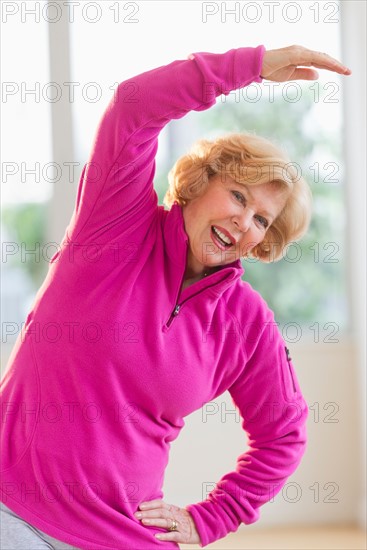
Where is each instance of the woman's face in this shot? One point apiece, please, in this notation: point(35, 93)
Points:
point(228, 210)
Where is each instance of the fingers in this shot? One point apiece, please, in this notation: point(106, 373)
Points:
point(157, 509)
point(295, 62)
point(305, 74)
point(320, 60)
point(165, 523)
point(155, 513)
point(158, 504)
point(152, 504)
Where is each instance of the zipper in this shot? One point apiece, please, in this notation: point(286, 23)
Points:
point(173, 315)
point(178, 307)
point(289, 359)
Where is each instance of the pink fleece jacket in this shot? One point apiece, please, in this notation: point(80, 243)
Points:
point(114, 354)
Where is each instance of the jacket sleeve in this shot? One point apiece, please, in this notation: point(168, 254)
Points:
point(116, 185)
point(273, 413)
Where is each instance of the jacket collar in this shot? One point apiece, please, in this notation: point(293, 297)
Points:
point(176, 244)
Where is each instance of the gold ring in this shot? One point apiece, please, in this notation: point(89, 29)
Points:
point(173, 526)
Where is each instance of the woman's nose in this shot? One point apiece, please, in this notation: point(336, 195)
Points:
point(243, 220)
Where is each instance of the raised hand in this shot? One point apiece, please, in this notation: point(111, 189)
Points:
point(290, 64)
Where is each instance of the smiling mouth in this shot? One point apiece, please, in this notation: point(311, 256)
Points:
point(220, 238)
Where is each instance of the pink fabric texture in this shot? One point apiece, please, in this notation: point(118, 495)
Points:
point(103, 374)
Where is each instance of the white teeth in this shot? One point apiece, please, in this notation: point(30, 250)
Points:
point(222, 235)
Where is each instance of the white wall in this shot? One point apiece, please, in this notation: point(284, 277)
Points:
point(354, 45)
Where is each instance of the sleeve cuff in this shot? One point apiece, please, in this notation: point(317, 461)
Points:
point(253, 63)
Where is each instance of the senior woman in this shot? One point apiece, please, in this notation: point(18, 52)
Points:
point(143, 317)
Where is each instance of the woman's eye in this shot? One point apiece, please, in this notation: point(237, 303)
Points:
point(238, 196)
point(263, 221)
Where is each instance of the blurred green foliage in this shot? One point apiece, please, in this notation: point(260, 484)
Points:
point(25, 227)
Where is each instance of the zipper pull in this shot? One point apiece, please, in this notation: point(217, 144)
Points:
point(288, 356)
point(173, 315)
point(176, 310)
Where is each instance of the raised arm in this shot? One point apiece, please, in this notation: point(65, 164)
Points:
point(116, 186)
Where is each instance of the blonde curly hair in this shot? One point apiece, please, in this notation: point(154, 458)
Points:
point(250, 160)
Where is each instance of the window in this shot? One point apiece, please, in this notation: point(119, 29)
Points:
point(27, 171)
